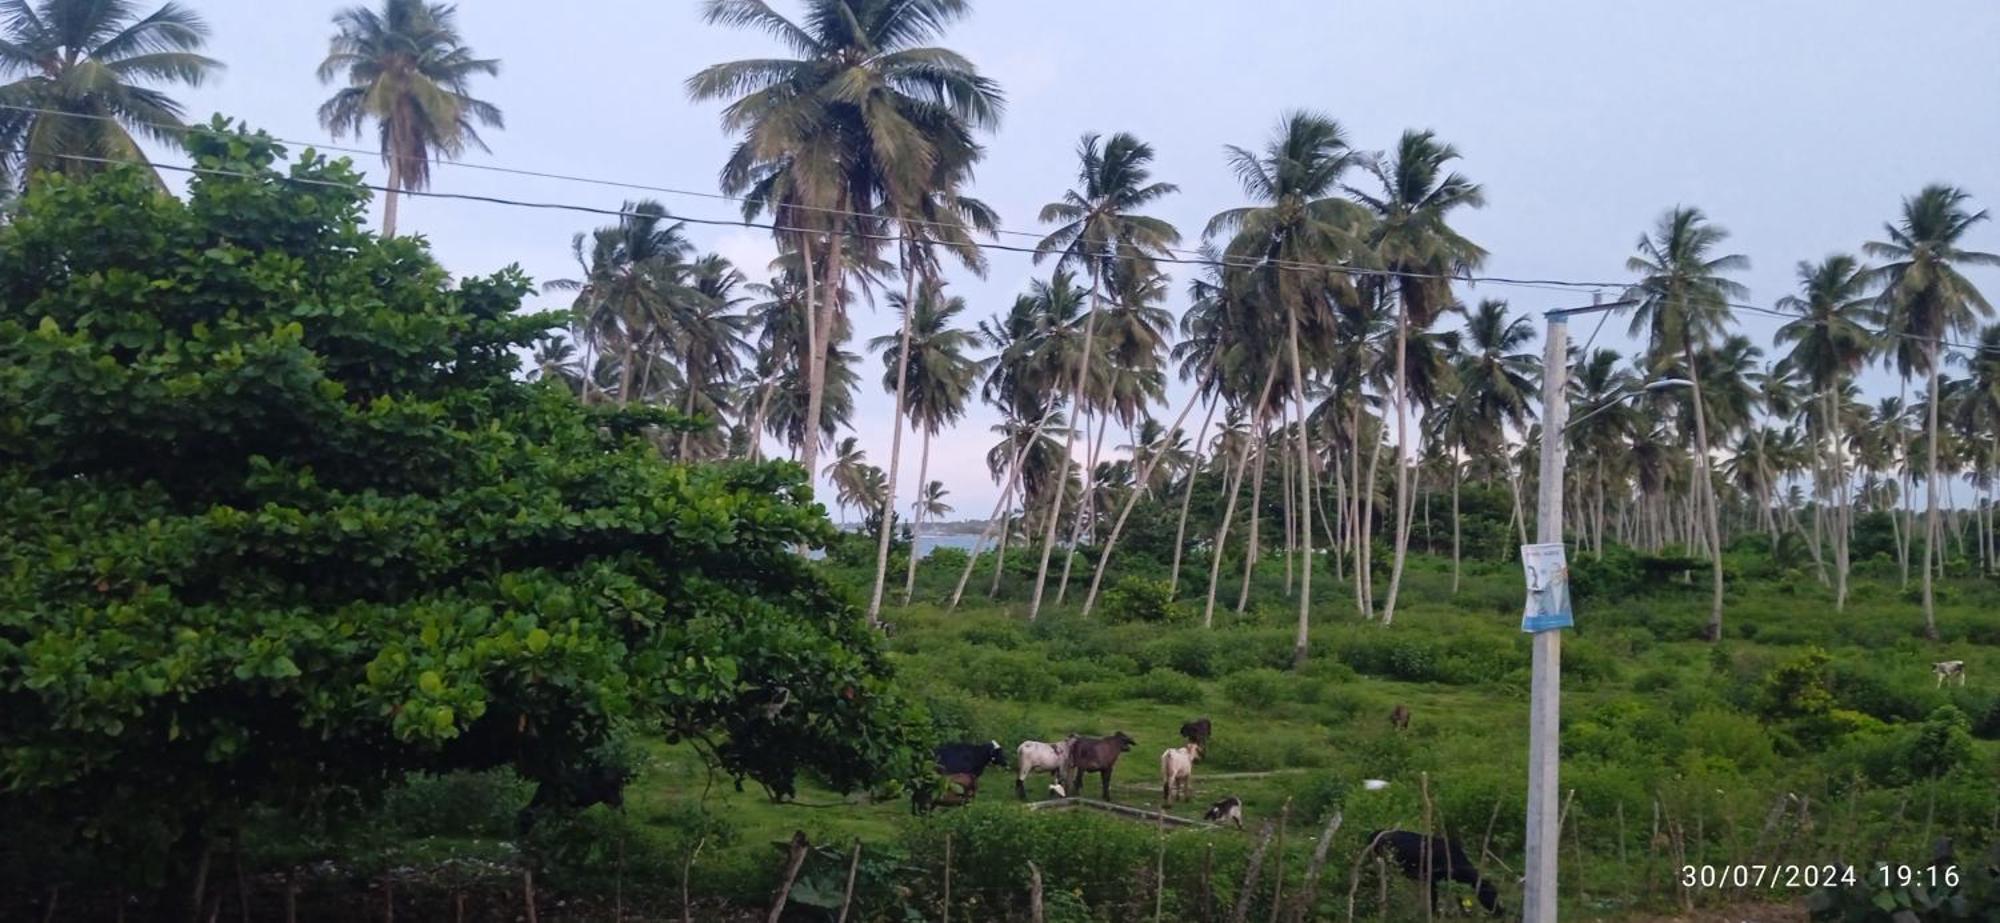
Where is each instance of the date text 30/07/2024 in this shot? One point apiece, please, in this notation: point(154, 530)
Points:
point(1782, 877)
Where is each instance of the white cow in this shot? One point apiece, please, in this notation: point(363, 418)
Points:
point(1945, 669)
point(1177, 771)
point(1034, 756)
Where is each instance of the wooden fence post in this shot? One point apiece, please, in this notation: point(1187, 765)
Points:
point(687, 865)
point(847, 896)
point(947, 878)
point(528, 891)
point(1278, 863)
point(1207, 886)
point(1249, 888)
point(793, 861)
point(1034, 894)
point(1424, 789)
point(1309, 889)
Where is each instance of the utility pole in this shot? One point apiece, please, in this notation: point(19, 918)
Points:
point(1538, 899)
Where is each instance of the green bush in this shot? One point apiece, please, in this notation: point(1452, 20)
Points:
point(1168, 687)
point(1137, 599)
point(1256, 689)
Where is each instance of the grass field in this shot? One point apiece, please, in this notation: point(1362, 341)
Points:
point(1679, 752)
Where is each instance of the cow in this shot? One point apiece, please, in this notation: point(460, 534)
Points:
point(1196, 732)
point(1034, 756)
point(957, 788)
point(1946, 669)
point(1098, 755)
point(970, 758)
point(1447, 861)
point(1228, 809)
point(1399, 717)
point(573, 791)
point(1177, 772)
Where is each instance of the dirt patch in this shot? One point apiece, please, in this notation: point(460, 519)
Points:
point(1749, 912)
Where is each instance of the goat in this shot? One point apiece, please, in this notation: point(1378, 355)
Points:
point(1945, 669)
point(1177, 772)
point(1228, 809)
point(1447, 863)
point(1399, 717)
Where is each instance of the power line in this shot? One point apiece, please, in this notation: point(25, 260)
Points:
point(1175, 255)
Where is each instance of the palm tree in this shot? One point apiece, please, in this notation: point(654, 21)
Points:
point(1683, 305)
point(1496, 376)
point(630, 296)
point(938, 377)
point(1411, 237)
point(80, 69)
point(409, 71)
point(1830, 342)
point(1098, 226)
point(845, 472)
point(707, 339)
point(1300, 223)
point(1925, 297)
point(1603, 433)
point(930, 502)
point(848, 129)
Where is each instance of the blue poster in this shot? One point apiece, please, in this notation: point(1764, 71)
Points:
point(1548, 588)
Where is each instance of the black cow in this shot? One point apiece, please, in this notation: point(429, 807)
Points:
point(1448, 863)
point(575, 790)
point(970, 758)
point(1197, 732)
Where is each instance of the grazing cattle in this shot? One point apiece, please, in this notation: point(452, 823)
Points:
point(970, 758)
point(1229, 809)
point(1946, 669)
point(575, 790)
point(1399, 717)
point(1177, 772)
point(1034, 756)
point(1448, 862)
point(1196, 732)
point(1099, 755)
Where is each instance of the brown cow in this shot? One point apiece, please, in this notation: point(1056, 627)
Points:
point(1097, 754)
point(1399, 717)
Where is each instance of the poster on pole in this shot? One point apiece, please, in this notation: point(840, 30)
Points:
point(1548, 588)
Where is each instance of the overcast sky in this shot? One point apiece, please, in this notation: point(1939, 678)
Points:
point(1799, 125)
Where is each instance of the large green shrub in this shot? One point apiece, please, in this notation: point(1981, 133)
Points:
point(280, 521)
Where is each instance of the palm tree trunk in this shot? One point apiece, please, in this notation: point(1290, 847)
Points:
point(1086, 507)
point(1931, 497)
point(1455, 478)
point(1707, 492)
point(1597, 542)
point(895, 447)
point(815, 351)
point(999, 519)
point(1187, 499)
point(756, 448)
point(1403, 456)
point(1356, 539)
point(1256, 509)
point(917, 517)
point(1144, 475)
point(389, 198)
point(1838, 494)
point(1301, 639)
point(1000, 559)
point(1069, 449)
point(1367, 533)
point(1229, 506)
point(1285, 479)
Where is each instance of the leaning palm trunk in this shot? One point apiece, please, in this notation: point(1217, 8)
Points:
point(1403, 456)
point(1256, 521)
point(1931, 533)
point(1291, 538)
point(998, 520)
point(1455, 478)
point(1301, 638)
point(815, 351)
point(1187, 499)
point(1145, 476)
point(917, 518)
point(1229, 506)
point(1839, 495)
point(1086, 510)
point(895, 450)
point(1069, 451)
point(1706, 492)
point(1366, 568)
point(390, 197)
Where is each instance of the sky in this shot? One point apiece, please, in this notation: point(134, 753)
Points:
point(1799, 125)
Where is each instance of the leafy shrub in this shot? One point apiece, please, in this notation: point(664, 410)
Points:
point(1168, 687)
point(1942, 744)
point(458, 803)
point(1137, 599)
point(1731, 736)
point(1256, 689)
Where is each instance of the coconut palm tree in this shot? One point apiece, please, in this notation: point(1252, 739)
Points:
point(1411, 236)
point(1299, 223)
point(633, 290)
point(1830, 343)
point(1603, 432)
point(1496, 378)
point(938, 377)
point(847, 130)
point(930, 503)
point(1684, 304)
point(707, 339)
point(1098, 225)
point(845, 473)
point(409, 71)
point(1926, 297)
point(80, 71)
